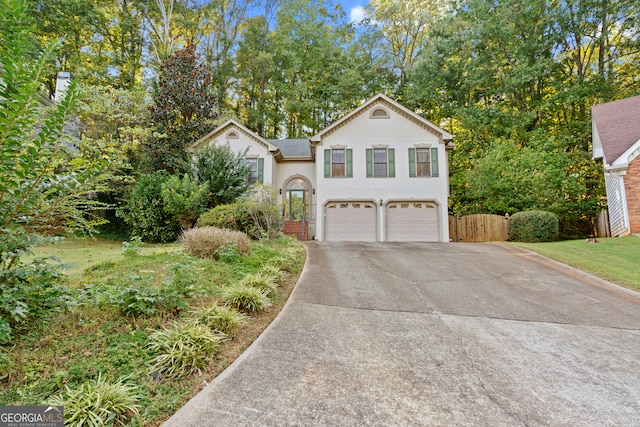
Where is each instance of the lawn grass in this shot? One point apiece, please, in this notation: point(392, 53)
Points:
point(76, 254)
point(91, 338)
point(614, 259)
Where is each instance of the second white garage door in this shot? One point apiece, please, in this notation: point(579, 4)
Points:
point(350, 221)
point(412, 222)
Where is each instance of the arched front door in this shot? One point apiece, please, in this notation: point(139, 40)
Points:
point(297, 198)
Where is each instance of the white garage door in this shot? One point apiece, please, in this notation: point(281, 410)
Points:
point(412, 222)
point(350, 221)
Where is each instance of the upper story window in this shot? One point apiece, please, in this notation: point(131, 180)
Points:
point(423, 162)
point(381, 162)
point(338, 163)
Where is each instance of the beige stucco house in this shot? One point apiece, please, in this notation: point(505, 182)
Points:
point(380, 173)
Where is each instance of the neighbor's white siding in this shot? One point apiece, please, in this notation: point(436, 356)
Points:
point(616, 198)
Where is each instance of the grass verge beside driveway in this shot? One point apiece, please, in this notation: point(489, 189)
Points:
point(615, 259)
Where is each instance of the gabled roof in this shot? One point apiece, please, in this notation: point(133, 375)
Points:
point(616, 128)
point(226, 126)
point(393, 105)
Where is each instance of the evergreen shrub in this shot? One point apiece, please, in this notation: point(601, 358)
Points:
point(533, 227)
point(232, 216)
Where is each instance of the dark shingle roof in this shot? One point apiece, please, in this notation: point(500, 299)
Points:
point(618, 125)
point(292, 147)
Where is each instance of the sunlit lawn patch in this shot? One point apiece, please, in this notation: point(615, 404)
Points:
point(614, 259)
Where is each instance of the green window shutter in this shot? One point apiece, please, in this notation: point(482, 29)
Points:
point(369, 163)
point(327, 163)
point(241, 164)
point(412, 162)
point(261, 170)
point(349, 154)
point(434, 162)
point(391, 159)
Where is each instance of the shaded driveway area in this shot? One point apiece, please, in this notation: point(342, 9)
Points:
point(407, 334)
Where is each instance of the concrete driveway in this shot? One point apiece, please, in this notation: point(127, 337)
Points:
point(401, 334)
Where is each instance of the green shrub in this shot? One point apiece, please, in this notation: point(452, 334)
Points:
point(245, 298)
point(180, 286)
point(182, 349)
point(231, 217)
point(137, 295)
point(222, 319)
point(265, 208)
point(98, 403)
point(224, 170)
point(132, 247)
point(184, 198)
point(533, 226)
point(29, 291)
point(264, 283)
point(207, 242)
point(146, 213)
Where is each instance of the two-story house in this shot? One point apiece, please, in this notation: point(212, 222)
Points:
point(380, 173)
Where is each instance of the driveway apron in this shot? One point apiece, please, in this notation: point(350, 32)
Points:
point(419, 334)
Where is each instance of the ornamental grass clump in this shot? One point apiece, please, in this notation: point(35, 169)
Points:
point(210, 242)
point(99, 402)
point(220, 318)
point(245, 298)
point(533, 227)
point(264, 283)
point(279, 276)
point(182, 349)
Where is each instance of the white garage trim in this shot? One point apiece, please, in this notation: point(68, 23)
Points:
point(412, 221)
point(354, 221)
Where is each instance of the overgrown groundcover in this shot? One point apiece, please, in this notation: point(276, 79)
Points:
point(615, 259)
point(95, 340)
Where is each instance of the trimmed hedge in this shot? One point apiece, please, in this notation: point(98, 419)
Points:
point(533, 227)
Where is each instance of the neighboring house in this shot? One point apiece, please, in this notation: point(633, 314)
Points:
point(616, 140)
point(380, 173)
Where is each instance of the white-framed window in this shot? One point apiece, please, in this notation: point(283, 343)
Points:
point(423, 162)
point(255, 166)
point(381, 162)
point(338, 163)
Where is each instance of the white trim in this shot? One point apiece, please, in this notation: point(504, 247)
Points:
point(443, 134)
point(232, 123)
point(627, 157)
point(596, 143)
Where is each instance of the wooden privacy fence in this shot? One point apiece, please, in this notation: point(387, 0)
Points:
point(479, 228)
